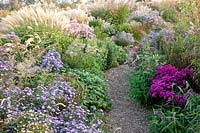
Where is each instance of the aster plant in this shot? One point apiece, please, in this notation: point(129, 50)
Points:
point(171, 85)
point(44, 108)
point(52, 61)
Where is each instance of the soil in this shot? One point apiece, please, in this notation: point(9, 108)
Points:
point(126, 115)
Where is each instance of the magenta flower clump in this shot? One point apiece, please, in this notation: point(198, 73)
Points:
point(169, 84)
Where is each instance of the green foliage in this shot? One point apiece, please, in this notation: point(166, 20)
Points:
point(169, 15)
point(95, 91)
point(114, 16)
point(119, 15)
point(100, 34)
point(95, 23)
point(189, 13)
point(84, 61)
point(95, 56)
point(176, 119)
point(115, 55)
point(43, 36)
point(139, 80)
point(43, 78)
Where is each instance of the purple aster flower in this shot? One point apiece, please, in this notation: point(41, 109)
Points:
point(52, 60)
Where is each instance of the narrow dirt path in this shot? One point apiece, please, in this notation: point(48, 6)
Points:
point(126, 116)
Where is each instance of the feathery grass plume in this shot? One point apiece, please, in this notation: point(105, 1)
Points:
point(78, 15)
point(36, 14)
point(160, 4)
point(112, 4)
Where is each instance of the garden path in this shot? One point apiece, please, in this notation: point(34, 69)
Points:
point(126, 116)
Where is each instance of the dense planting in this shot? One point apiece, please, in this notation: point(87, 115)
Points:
point(53, 57)
point(169, 83)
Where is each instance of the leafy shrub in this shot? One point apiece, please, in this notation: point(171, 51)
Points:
point(123, 39)
point(84, 61)
point(140, 80)
point(183, 120)
point(171, 85)
point(94, 95)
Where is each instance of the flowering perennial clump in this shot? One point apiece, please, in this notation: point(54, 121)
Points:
point(170, 84)
point(147, 15)
point(123, 39)
point(79, 30)
point(50, 109)
point(52, 60)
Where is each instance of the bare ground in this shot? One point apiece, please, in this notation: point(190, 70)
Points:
point(126, 116)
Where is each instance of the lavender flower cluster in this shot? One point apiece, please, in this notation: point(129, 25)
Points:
point(79, 30)
point(123, 39)
point(53, 108)
point(147, 15)
point(3, 61)
point(167, 83)
point(52, 60)
point(167, 35)
point(12, 37)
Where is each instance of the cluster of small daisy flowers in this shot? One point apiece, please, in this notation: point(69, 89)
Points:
point(44, 108)
point(170, 84)
point(52, 61)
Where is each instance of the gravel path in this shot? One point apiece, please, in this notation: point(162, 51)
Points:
point(126, 115)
